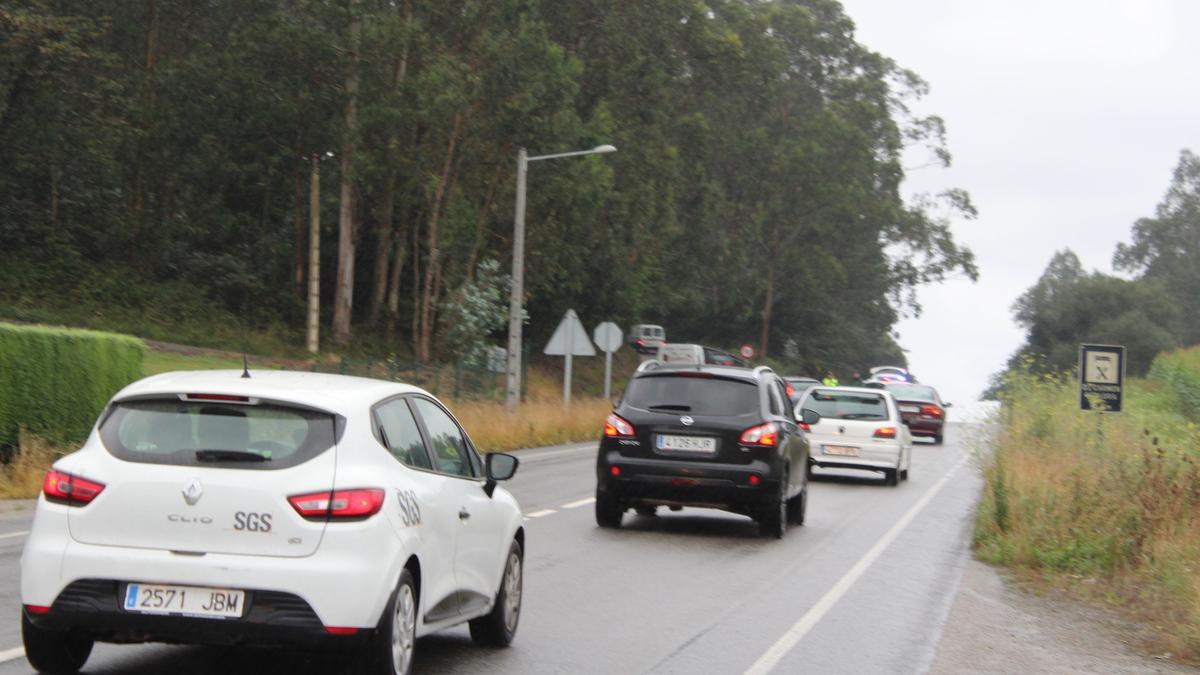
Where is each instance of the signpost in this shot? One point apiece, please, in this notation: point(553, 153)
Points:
point(608, 338)
point(569, 339)
point(1101, 377)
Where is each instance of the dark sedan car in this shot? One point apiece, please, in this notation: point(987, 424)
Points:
point(708, 436)
point(922, 409)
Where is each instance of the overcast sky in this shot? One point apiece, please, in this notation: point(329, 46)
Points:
point(1065, 119)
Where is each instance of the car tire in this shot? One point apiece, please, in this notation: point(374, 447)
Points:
point(937, 440)
point(891, 477)
point(648, 511)
point(797, 506)
point(55, 651)
point(391, 649)
point(773, 516)
point(608, 510)
point(904, 474)
point(497, 627)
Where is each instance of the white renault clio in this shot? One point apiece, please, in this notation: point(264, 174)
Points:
point(860, 428)
point(284, 508)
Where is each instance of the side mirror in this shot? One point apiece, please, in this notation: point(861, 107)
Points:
point(499, 466)
point(947, 405)
point(810, 416)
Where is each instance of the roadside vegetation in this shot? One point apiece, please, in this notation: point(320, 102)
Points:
point(1107, 507)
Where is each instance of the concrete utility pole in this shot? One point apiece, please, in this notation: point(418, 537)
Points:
point(314, 257)
point(516, 298)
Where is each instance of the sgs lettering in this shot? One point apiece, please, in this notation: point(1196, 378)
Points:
point(249, 521)
point(410, 509)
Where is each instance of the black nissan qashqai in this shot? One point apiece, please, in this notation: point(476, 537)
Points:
point(709, 436)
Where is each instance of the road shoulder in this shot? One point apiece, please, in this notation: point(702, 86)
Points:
point(994, 627)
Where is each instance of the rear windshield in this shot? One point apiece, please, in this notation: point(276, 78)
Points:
point(913, 392)
point(847, 405)
point(694, 395)
point(190, 433)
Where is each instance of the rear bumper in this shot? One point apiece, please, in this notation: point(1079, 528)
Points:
point(873, 455)
point(675, 482)
point(346, 583)
point(923, 426)
point(271, 618)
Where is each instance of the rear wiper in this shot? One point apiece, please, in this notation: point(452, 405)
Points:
point(669, 406)
point(230, 456)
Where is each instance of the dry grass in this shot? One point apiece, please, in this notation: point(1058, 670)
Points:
point(1106, 507)
point(538, 422)
point(22, 476)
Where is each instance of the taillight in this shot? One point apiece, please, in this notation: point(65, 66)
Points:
point(931, 411)
point(754, 479)
point(341, 630)
point(763, 434)
point(69, 489)
point(339, 504)
point(805, 426)
point(885, 432)
point(37, 609)
point(791, 391)
point(641, 342)
point(615, 426)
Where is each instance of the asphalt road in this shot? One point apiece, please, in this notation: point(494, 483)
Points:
point(863, 587)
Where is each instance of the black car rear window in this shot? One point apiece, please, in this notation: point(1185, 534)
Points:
point(913, 392)
point(192, 433)
point(847, 406)
point(693, 393)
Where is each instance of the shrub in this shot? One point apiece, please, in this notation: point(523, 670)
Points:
point(55, 381)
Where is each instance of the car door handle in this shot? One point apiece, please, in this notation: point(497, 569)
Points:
point(463, 514)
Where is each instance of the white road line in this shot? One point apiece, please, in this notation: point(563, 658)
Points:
point(10, 535)
point(539, 514)
point(12, 654)
point(577, 503)
point(796, 633)
point(536, 457)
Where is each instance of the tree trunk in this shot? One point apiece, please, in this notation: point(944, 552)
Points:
point(343, 302)
point(416, 303)
point(298, 226)
point(425, 343)
point(386, 232)
point(481, 222)
point(383, 233)
point(766, 312)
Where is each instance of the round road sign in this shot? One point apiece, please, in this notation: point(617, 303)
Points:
point(747, 352)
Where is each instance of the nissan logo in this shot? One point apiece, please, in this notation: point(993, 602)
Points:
point(686, 420)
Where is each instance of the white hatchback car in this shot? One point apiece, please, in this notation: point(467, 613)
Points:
point(288, 508)
point(860, 428)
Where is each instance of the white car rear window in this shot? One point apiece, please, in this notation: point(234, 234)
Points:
point(193, 433)
point(847, 405)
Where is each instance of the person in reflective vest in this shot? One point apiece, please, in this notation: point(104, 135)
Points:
point(830, 380)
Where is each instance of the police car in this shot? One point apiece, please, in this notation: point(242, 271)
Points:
point(286, 508)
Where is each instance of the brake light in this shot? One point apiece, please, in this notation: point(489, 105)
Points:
point(641, 342)
point(885, 432)
point(805, 426)
point(69, 489)
point(218, 397)
point(616, 426)
point(754, 479)
point(616, 471)
point(932, 411)
point(763, 434)
point(37, 609)
point(791, 391)
point(358, 503)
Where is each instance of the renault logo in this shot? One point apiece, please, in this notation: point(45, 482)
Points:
point(193, 492)
point(841, 430)
point(686, 420)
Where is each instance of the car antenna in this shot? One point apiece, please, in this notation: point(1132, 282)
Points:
point(245, 330)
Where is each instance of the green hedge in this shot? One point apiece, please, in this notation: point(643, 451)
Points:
point(1180, 370)
point(55, 381)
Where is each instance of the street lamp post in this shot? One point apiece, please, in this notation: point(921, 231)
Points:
point(516, 299)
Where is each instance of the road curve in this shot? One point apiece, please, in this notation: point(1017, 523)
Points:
point(863, 586)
